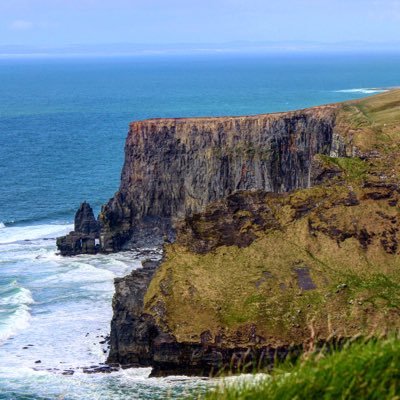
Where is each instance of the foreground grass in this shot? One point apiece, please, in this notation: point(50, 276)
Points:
point(362, 370)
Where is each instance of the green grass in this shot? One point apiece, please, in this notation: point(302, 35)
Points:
point(380, 287)
point(374, 122)
point(361, 370)
point(354, 168)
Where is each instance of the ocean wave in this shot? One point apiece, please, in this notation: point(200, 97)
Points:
point(64, 216)
point(2, 225)
point(12, 324)
point(363, 90)
point(32, 232)
point(15, 295)
point(80, 273)
point(14, 306)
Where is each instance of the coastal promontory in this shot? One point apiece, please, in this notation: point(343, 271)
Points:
point(279, 230)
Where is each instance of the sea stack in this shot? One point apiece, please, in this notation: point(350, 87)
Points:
point(85, 237)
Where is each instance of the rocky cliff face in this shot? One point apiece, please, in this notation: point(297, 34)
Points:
point(252, 272)
point(175, 167)
point(132, 332)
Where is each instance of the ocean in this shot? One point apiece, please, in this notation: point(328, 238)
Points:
point(63, 123)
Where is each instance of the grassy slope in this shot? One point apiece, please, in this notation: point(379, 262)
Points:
point(361, 371)
point(373, 121)
point(349, 250)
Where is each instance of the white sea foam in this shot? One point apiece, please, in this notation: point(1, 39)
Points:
point(123, 384)
point(14, 302)
point(2, 225)
point(70, 316)
point(18, 321)
point(363, 90)
point(80, 273)
point(18, 233)
point(21, 296)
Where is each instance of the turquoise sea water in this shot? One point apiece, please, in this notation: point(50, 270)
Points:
point(62, 129)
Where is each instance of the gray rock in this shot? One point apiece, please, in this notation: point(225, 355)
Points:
point(83, 238)
point(85, 222)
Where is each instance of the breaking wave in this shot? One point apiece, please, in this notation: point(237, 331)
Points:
point(14, 310)
point(363, 90)
point(11, 234)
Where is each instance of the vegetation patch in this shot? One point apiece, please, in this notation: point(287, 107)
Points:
point(372, 123)
point(364, 369)
point(354, 168)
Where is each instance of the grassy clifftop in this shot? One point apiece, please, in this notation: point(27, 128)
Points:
point(373, 122)
point(264, 269)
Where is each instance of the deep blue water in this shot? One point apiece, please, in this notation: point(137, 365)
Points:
point(62, 129)
point(63, 122)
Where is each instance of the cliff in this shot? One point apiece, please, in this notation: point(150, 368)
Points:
point(175, 167)
point(287, 232)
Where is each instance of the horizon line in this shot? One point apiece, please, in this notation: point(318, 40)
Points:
point(154, 49)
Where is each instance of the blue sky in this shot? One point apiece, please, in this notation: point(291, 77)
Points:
point(57, 23)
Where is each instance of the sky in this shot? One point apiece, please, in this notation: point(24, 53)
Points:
point(212, 23)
